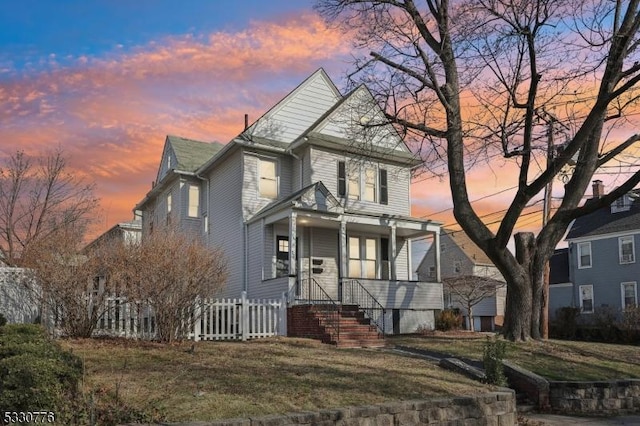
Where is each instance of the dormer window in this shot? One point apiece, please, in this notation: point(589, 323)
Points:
point(622, 204)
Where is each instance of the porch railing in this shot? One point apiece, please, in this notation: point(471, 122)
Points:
point(354, 293)
point(310, 291)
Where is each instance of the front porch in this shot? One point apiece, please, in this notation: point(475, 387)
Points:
point(317, 252)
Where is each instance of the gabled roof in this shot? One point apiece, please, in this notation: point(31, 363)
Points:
point(298, 110)
point(304, 198)
point(602, 222)
point(473, 252)
point(192, 154)
point(358, 118)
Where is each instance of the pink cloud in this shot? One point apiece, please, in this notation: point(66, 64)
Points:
point(111, 114)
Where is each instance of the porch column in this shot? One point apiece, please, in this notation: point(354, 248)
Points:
point(436, 241)
point(392, 265)
point(292, 243)
point(343, 256)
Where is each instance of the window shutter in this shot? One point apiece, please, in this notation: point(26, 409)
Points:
point(384, 194)
point(342, 179)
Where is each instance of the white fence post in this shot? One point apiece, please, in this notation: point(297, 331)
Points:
point(197, 325)
point(282, 329)
point(244, 315)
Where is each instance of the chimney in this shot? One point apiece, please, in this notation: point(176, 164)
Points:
point(246, 121)
point(598, 189)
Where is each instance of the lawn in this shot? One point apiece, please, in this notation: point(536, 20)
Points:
point(154, 382)
point(553, 359)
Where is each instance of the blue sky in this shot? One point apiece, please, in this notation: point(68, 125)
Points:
point(31, 30)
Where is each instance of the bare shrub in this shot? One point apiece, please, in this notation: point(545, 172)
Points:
point(63, 281)
point(170, 272)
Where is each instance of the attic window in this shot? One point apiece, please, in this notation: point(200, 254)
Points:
point(622, 204)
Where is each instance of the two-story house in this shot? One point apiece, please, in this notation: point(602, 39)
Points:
point(602, 263)
point(460, 257)
point(312, 200)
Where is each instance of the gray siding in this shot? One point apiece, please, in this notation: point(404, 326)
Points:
point(559, 297)
point(255, 255)
point(270, 289)
point(402, 259)
point(226, 228)
point(298, 111)
point(324, 167)
point(606, 273)
point(252, 202)
point(324, 246)
point(405, 294)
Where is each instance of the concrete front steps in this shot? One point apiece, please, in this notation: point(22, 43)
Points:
point(346, 328)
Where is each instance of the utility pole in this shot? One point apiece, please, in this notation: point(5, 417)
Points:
point(546, 213)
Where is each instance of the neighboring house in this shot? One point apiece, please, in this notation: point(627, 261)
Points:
point(560, 286)
point(306, 199)
point(460, 257)
point(130, 232)
point(603, 267)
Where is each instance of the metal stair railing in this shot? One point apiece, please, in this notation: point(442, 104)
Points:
point(354, 293)
point(312, 292)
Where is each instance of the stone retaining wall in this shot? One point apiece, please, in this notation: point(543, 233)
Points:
point(604, 397)
point(494, 408)
point(614, 397)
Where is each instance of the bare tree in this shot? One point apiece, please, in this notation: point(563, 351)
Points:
point(38, 197)
point(470, 290)
point(67, 282)
point(170, 272)
point(476, 82)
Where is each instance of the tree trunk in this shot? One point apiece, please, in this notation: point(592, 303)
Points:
point(470, 316)
point(519, 304)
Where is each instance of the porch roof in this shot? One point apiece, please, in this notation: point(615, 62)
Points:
point(316, 206)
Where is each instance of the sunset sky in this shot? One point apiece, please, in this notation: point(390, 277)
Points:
point(108, 80)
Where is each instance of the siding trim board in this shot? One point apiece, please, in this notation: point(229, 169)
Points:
point(603, 236)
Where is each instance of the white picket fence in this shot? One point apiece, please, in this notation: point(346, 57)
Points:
point(219, 319)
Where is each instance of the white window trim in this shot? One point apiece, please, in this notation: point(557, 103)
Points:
point(277, 177)
point(593, 302)
point(578, 252)
point(633, 250)
point(362, 257)
point(635, 291)
point(360, 170)
point(196, 206)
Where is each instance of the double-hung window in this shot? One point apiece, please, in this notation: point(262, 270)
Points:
point(584, 255)
point(370, 184)
point(194, 200)
point(629, 292)
point(362, 183)
point(363, 258)
point(626, 249)
point(586, 298)
point(268, 178)
point(353, 191)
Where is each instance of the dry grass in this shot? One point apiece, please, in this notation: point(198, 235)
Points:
point(553, 359)
point(235, 379)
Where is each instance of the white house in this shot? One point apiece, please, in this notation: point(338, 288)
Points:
point(312, 200)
